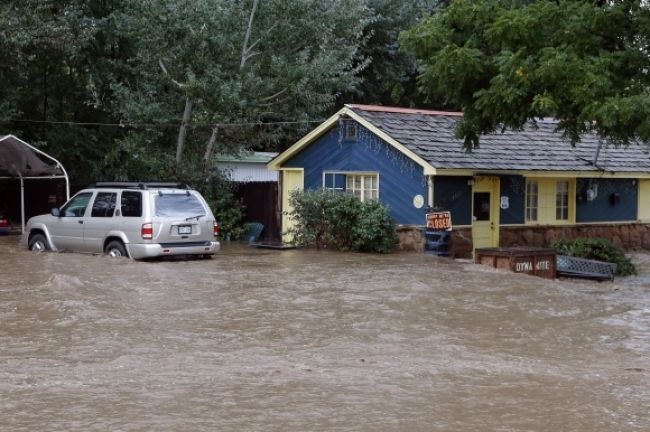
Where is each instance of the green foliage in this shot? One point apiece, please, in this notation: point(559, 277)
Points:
point(374, 230)
point(341, 221)
point(505, 62)
point(106, 63)
point(390, 77)
point(599, 249)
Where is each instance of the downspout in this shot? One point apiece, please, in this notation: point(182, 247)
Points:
point(600, 144)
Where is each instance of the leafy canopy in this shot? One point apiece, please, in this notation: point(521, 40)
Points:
point(505, 62)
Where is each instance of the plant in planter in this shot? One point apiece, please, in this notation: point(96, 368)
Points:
point(598, 249)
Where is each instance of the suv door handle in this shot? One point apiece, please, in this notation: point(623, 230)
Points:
point(80, 221)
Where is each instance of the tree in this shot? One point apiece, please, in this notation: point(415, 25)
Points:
point(244, 62)
point(505, 62)
point(390, 78)
point(60, 56)
point(168, 72)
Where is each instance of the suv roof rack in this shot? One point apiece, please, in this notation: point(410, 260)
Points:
point(141, 185)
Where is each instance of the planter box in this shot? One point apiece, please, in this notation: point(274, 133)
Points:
point(534, 261)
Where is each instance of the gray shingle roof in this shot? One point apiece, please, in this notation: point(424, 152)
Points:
point(431, 136)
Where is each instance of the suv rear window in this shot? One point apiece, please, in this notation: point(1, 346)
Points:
point(178, 205)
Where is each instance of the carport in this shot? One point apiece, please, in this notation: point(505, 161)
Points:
point(22, 161)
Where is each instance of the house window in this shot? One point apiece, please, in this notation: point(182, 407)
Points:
point(562, 200)
point(334, 182)
point(532, 197)
point(364, 186)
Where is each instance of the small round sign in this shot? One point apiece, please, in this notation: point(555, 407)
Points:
point(418, 201)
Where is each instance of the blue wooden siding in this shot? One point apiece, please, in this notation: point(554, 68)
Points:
point(454, 194)
point(400, 179)
point(513, 187)
point(616, 200)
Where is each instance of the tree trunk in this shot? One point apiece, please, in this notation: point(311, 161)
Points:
point(45, 70)
point(182, 132)
point(207, 159)
point(245, 48)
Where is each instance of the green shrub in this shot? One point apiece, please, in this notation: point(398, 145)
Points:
point(375, 229)
point(599, 249)
point(219, 192)
point(341, 221)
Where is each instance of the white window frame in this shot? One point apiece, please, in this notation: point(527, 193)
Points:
point(361, 193)
point(532, 208)
point(562, 207)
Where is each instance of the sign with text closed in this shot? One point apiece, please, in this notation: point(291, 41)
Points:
point(439, 220)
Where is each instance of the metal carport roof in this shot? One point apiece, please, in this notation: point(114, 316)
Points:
point(20, 160)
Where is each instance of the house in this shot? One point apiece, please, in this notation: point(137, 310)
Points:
point(523, 187)
point(255, 186)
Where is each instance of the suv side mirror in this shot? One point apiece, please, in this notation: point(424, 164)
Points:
point(55, 212)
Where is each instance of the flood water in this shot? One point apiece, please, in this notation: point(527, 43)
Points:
point(304, 340)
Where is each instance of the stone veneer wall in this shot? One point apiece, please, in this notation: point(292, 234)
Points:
point(632, 236)
point(411, 238)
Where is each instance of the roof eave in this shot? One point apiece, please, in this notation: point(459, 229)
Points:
point(276, 164)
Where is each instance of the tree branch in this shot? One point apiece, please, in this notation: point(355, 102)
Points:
point(273, 96)
point(182, 132)
point(164, 69)
point(245, 49)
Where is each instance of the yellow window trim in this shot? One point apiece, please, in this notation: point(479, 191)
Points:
point(546, 201)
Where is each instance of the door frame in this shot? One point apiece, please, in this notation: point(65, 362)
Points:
point(492, 185)
point(285, 190)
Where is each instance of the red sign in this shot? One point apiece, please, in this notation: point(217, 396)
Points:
point(439, 221)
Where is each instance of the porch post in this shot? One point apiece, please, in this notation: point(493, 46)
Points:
point(22, 202)
point(430, 191)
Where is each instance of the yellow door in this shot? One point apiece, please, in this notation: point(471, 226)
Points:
point(292, 179)
point(485, 212)
point(644, 200)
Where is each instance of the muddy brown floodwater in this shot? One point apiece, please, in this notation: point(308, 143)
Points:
point(302, 340)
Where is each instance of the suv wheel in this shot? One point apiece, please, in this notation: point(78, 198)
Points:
point(38, 243)
point(115, 249)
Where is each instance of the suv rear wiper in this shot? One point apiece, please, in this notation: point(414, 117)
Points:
point(195, 217)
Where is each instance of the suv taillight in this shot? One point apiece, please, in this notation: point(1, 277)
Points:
point(147, 231)
point(215, 229)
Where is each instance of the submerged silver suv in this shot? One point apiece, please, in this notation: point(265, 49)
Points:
point(138, 220)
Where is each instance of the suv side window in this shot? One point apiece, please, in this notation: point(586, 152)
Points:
point(104, 204)
point(131, 204)
point(76, 207)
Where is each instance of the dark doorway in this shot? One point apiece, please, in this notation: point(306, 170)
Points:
point(260, 199)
